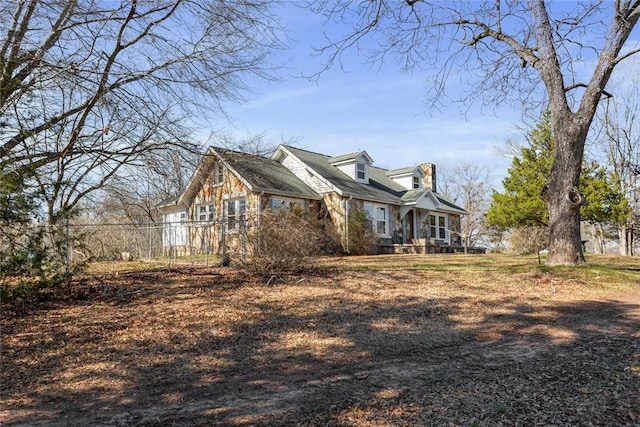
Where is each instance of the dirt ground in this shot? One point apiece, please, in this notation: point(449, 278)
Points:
point(217, 346)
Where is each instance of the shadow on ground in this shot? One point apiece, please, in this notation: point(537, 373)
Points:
point(208, 349)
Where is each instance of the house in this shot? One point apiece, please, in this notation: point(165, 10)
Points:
point(229, 190)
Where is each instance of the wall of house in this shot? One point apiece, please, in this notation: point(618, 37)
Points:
point(335, 206)
point(405, 181)
point(301, 172)
point(175, 233)
point(211, 235)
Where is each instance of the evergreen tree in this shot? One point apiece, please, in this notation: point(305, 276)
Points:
point(29, 264)
point(521, 204)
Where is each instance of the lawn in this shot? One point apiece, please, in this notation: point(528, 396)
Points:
point(360, 341)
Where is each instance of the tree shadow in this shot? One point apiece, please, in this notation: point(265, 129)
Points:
point(337, 356)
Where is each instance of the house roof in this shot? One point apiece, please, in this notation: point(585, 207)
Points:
point(345, 158)
point(379, 189)
point(261, 174)
point(404, 171)
point(257, 172)
point(449, 205)
point(170, 201)
point(264, 174)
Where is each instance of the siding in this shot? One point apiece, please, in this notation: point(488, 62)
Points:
point(300, 170)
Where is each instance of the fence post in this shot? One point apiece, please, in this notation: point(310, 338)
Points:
point(169, 247)
point(206, 237)
point(243, 241)
point(223, 237)
point(149, 241)
point(68, 246)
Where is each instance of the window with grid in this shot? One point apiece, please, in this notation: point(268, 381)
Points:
point(236, 213)
point(378, 216)
point(206, 213)
point(438, 227)
point(360, 171)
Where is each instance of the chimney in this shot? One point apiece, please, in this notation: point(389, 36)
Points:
point(430, 176)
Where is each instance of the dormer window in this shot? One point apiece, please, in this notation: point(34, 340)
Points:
point(355, 165)
point(410, 177)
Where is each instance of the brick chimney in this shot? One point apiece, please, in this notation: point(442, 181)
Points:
point(429, 180)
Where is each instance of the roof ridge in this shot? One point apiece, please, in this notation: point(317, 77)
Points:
point(306, 151)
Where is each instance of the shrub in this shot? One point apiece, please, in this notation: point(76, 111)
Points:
point(362, 241)
point(32, 257)
point(286, 241)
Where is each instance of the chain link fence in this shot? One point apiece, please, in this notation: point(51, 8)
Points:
point(201, 242)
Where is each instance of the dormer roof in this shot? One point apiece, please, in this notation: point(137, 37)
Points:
point(359, 156)
point(409, 170)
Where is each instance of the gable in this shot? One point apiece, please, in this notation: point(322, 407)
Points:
point(354, 165)
point(320, 166)
point(258, 174)
point(262, 174)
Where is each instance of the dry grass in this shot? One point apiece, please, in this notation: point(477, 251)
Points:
point(381, 340)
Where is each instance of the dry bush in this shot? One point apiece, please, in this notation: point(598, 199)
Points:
point(529, 240)
point(287, 240)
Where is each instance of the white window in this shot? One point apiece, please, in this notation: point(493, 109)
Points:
point(183, 217)
point(416, 182)
point(378, 216)
point(286, 204)
point(361, 171)
point(236, 213)
point(438, 227)
point(206, 212)
point(217, 177)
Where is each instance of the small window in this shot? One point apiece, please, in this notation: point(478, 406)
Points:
point(287, 204)
point(183, 216)
point(206, 212)
point(360, 171)
point(416, 182)
point(218, 173)
point(382, 220)
point(438, 227)
point(236, 213)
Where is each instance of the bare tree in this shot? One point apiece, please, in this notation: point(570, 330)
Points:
point(87, 87)
point(620, 139)
point(467, 186)
point(513, 50)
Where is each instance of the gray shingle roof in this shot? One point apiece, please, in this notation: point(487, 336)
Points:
point(380, 188)
point(402, 171)
point(450, 205)
point(264, 174)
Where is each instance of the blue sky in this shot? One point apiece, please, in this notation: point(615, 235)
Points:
point(382, 111)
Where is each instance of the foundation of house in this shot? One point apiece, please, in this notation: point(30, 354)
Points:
point(427, 249)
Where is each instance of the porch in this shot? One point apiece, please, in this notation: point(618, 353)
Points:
point(425, 246)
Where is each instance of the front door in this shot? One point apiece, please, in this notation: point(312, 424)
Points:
point(407, 227)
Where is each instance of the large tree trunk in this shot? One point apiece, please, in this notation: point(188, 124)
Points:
point(625, 234)
point(562, 194)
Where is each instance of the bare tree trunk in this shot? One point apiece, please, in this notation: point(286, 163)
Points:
point(622, 238)
point(625, 234)
point(562, 195)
